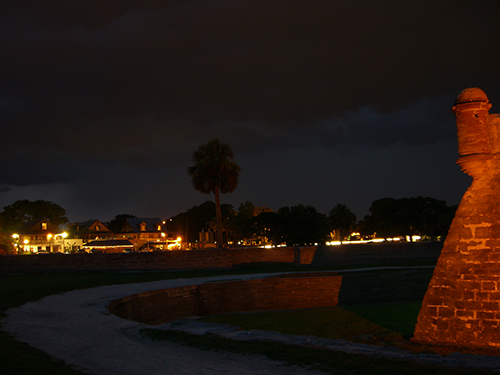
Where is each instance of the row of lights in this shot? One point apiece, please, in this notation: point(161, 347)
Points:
point(62, 236)
point(374, 240)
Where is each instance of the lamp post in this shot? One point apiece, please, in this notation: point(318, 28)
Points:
point(187, 238)
point(63, 236)
point(164, 240)
point(49, 238)
point(15, 237)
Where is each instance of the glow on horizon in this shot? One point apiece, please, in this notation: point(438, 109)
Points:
point(373, 240)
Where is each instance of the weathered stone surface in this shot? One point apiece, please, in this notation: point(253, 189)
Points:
point(461, 306)
point(284, 292)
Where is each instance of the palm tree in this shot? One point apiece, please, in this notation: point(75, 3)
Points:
point(215, 172)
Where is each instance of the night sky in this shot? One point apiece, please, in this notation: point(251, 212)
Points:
point(102, 103)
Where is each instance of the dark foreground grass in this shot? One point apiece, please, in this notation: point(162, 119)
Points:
point(329, 361)
point(334, 323)
point(398, 317)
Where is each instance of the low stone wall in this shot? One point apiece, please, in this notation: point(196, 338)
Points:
point(168, 260)
point(299, 255)
point(285, 292)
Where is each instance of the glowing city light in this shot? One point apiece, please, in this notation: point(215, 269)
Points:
point(372, 240)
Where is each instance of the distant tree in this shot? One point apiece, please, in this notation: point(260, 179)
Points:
point(269, 225)
point(116, 225)
point(180, 225)
point(6, 244)
point(342, 219)
point(305, 225)
point(193, 221)
point(297, 225)
point(228, 215)
point(22, 211)
point(432, 217)
point(214, 171)
point(245, 222)
point(425, 216)
point(199, 218)
point(383, 218)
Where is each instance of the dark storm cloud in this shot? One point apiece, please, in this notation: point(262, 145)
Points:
point(91, 84)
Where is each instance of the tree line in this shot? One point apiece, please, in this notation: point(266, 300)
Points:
point(300, 224)
point(215, 172)
point(255, 225)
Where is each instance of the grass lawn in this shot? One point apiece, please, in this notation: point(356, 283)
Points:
point(398, 317)
point(335, 323)
point(361, 315)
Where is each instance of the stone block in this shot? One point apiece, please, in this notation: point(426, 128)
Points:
point(495, 230)
point(483, 232)
point(461, 304)
point(488, 286)
point(442, 325)
point(463, 248)
point(465, 233)
point(494, 296)
point(488, 315)
point(446, 312)
point(466, 314)
point(491, 306)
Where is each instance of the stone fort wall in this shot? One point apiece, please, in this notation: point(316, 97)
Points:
point(169, 260)
point(462, 304)
point(284, 292)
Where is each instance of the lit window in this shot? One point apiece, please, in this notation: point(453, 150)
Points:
point(44, 226)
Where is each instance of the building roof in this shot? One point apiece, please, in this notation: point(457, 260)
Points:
point(35, 227)
point(89, 225)
point(134, 225)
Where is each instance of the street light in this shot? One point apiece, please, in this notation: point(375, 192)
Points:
point(15, 236)
point(63, 235)
point(49, 238)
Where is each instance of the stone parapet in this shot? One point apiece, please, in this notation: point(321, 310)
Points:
point(284, 292)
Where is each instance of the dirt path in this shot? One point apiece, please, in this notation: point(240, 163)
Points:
point(77, 328)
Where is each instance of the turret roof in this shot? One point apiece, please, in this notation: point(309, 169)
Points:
point(472, 94)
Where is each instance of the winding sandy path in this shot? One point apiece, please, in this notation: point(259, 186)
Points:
point(77, 328)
